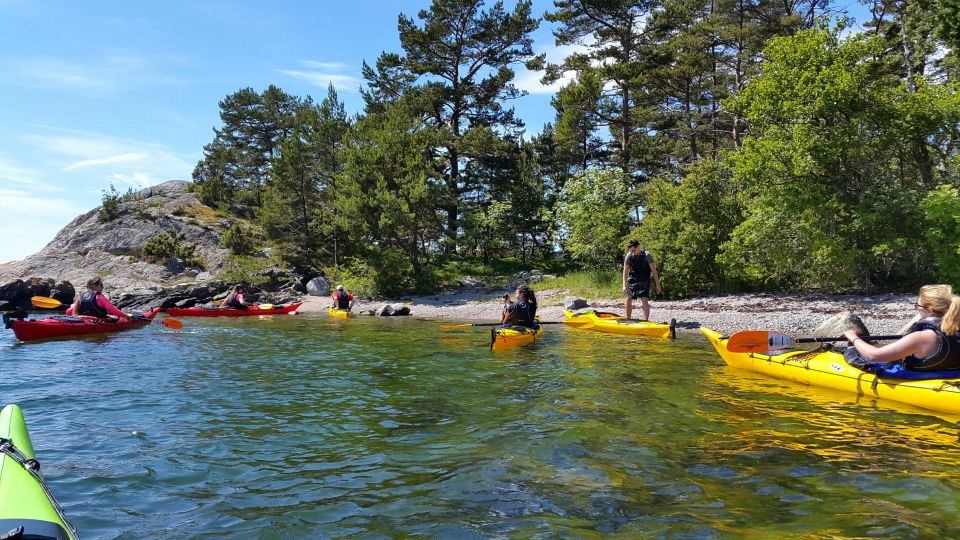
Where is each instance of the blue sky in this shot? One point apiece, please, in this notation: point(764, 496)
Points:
point(127, 92)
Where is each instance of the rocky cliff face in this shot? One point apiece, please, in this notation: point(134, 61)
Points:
point(88, 247)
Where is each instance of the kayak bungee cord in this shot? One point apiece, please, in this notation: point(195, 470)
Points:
point(32, 466)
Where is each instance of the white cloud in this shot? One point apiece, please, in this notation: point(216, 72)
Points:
point(323, 74)
point(119, 158)
point(24, 176)
point(107, 74)
point(138, 180)
point(529, 81)
point(334, 66)
point(13, 201)
point(110, 158)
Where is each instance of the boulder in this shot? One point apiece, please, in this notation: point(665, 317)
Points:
point(64, 292)
point(573, 303)
point(837, 324)
point(394, 310)
point(469, 281)
point(318, 286)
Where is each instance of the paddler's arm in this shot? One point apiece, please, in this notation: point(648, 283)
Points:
point(913, 343)
point(655, 275)
point(626, 272)
point(103, 302)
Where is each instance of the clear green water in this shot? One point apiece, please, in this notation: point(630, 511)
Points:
point(291, 427)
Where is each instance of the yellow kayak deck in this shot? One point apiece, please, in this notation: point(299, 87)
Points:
point(828, 369)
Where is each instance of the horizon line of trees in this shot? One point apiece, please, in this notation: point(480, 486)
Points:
point(747, 144)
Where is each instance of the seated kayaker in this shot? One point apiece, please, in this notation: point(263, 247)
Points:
point(523, 312)
point(235, 300)
point(342, 299)
point(932, 343)
point(94, 304)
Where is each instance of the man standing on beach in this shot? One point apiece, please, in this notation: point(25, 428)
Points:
point(638, 268)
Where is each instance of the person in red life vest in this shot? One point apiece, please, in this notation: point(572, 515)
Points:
point(342, 299)
point(94, 303)
point(235, 300)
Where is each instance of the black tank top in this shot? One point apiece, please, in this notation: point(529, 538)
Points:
point(948, 349)
point(639, 267)
point(89, 306)
point(522, 314)
point(343, 301)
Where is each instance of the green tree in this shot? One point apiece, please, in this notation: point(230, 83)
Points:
point(388, 195)
point(941, 209)
point(830, 172)
point(239, 158)
point(460, 56)
point(296, 211)
point(594, 213)
point(685, 224)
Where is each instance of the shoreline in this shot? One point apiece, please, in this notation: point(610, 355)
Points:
point(797, 314)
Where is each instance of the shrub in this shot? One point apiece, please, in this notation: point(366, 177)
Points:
point(355, 276)
point(244, 269)
point(171, 244)
point(941, 207)
point(239, 239)
point(110, 204)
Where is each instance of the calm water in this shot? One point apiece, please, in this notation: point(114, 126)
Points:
point(287, 427)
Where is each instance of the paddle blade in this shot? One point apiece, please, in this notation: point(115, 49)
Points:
point(172, 323)
point(266, 306)
point(752, 341)
point(455, 326)
point(44, 302)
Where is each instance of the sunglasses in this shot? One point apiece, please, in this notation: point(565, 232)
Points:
point(920, 306)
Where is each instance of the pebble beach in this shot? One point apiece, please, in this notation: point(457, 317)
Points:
point(796, 314)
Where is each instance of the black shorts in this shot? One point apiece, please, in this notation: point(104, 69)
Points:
point(638, 290)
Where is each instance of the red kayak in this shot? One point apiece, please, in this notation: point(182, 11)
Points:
point(231, 312)
point(65, 325)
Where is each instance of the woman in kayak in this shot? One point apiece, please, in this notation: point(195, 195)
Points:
point(523, 312)
point(342, 300)
point(94, 304)
point(932, 343)
point(234, 300)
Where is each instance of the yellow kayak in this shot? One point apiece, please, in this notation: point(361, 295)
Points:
point(514, 336)
point(612, 323)
point(828, 369)
point(339, 313)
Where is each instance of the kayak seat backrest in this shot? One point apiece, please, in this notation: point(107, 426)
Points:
point(33, 529)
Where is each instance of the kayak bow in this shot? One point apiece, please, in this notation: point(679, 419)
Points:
point(25, 499)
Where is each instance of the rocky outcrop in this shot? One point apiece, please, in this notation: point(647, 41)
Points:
point(318, 286)
point(16, 294)
point(836, 325)
point(89, 247)
point(394, 310)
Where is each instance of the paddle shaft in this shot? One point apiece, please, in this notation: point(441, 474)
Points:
point(841, 338)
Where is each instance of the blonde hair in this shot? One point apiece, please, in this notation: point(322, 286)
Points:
point(940, 300)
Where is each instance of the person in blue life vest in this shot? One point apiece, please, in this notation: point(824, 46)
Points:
point(931, 343)
point(342, 299)
point(235, 299)
point(523, 312)
point(93, 303)
point(638, 269)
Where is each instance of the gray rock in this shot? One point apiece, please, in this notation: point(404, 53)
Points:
point(394, 310)
point(64, 292)
point(204, 276)
point(318, 286)
point(836, 325)
point(573, 303)
point(469, 281)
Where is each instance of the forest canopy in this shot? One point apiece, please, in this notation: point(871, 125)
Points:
point(747, 144)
